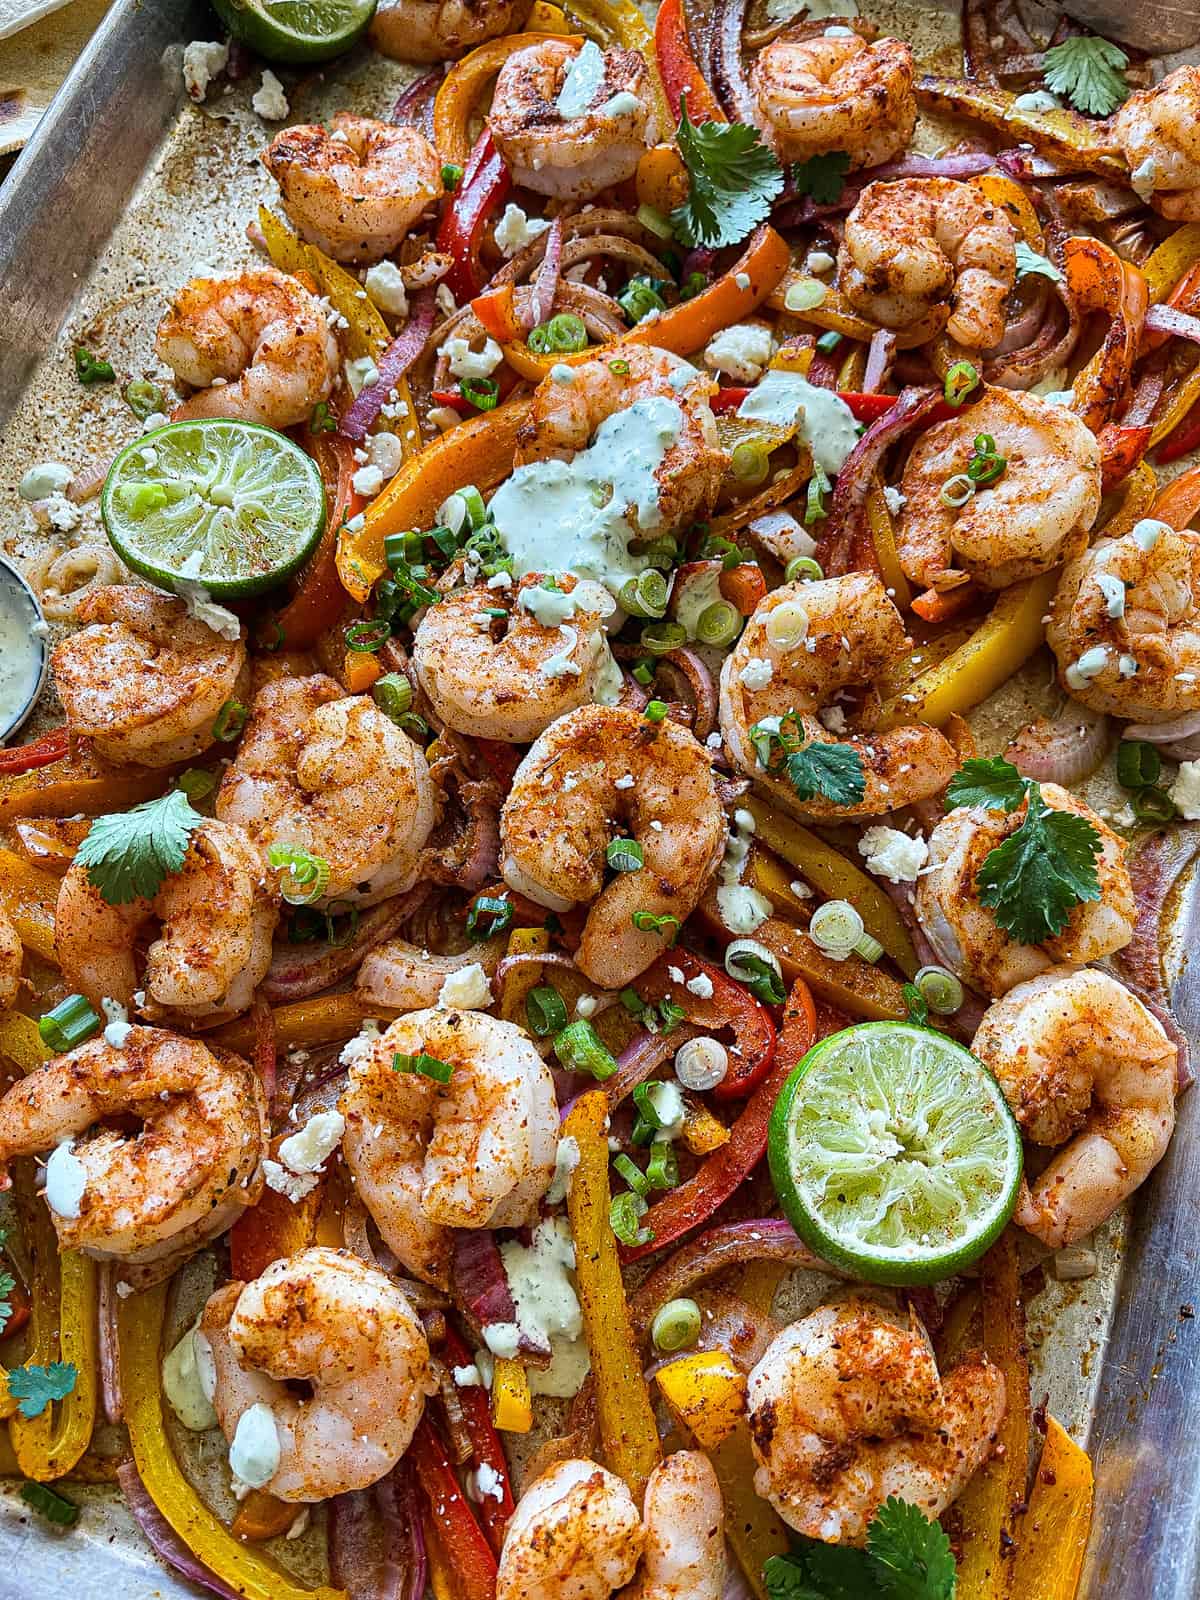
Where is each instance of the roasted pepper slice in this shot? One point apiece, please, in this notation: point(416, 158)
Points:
point(494, 1511)
point(485, 183)
point(463, 1542)
point(730, 1006)
point(706, 1393)
point(21, 758)
point(677, 67)
point(459, 95)
point(301, 1024)
point(319, 598)
point(1054, 1530)
point(512, 1402)
point(1099, 280)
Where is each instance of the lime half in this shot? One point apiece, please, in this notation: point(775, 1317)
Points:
point(894, 1154)
point(230, 506)
point(296, 30)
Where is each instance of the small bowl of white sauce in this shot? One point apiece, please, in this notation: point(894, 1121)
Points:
point(24, 655)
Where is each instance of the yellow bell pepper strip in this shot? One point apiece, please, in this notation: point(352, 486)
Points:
point(1181, 393)
point(1099, 280)
point(754, 1529)
point(302, 1024)
point(512, 1403)
point(702, 1132)
point(1171, 259)
point(883, 539)
point(1130, 503)
point(1002, 643)
point(661, 178)
point(519, 982)
point(989, 1506)
point(459, 96)
point(140, 1330)
point(853, 369)
point(29, 895)
point(773, 877)
point(628, 1434)
point(621, 22)
point(546, 18)
point(706, 1393)
point(836, 315)
point(1054, 1530)
point(21, 1043)
point(479, 451)
point(1065, 135)
point(1010, 198)
point(837, 877)
point(77, 783)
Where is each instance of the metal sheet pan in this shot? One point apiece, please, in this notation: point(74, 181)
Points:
point(121, 190)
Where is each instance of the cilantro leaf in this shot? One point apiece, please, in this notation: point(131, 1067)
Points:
point(733, 179)
point(839, 1571)
point(1030, 264)
point(822, 177)
point(994, 783)
point(787, 1579)
point(1034, 879)
point(36, 1387)
point(130, 853)
point(7, 1284)
point(910, 1555)
point(832, 770)
point(1090, 72)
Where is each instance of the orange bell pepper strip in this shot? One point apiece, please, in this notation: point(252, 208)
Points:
point(360, 669)
point(628, 1433)
point(1054, 1530)
point(677, 67)
point(263, 1516)
point(301, 1024)
point(28, 896)
point(76, 782)
point(275, 1227)
point(319, 598)
point(743, 586)
point(943, 605)
point(1179, 502)
point(459, 95)
point(497, 310)
point(1098, 280)
point(1009, 196)
point(1121, 448)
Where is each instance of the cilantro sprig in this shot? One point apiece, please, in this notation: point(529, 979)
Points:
point(1046, 867)
point(907, 1558)
point(1090, 72)
point(128, 854)
point(1030, 264)
point(822, 177)
point(812, 768)
point(36, 1387)
point(733, 178)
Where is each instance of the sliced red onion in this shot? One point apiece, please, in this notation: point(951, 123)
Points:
point(163, 1539)
point(1160, 1009)
point(729, 1244)
point(481, 1289)
point(1145, 401)
point(732, 83)
point(1024, 163)
point(376, 1541)
point(700, 681)
point(416, 102)
point(545, 287)
point(300, 970)
point(1154, 870)
point(1063, 749)
point(1166, 319)
point(109, 1353)
point(966, 165)
point(552, 958)
point(1024, 327)
point(644, 1054)
point(880, 355)
point(1051, 349)
point(395, 361)
point(1186, 726)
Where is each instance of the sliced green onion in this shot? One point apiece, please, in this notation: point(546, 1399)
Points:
point(676, 1326)
point(625, 1218)
point(632, 1173)
point(956, 491)
point(196, 783)
point(423, 1065)
point(640, 298)
point(1139, 764)
point(666, 926)
point(545, 1011)
point(1153, 805)
point(644, 596)
point(719, 624)
point(656, 710)
point(452, 175)
point(869, 948)
point(803, 569)
point(814, 501)
point(657, 1104)
point(753, 964)
point(961, 380)
point(805, 294)
point(497, 912)
point(662, 1169)
point(836, 928)
point(624, 855)
point(655, 222)
point(414, 725)
point(986, 464)
point(750, 462)
point(695, 283)
point(580, 1049)
point(90, 368)
point(50, 1504)
point(366, 637)
point(828, 342)
point(671, 1014)
point(392, 694)
point(633, 1003)
point(566, 333)
point(619, 368)
point(446, 539)
point(726, 551)
point(70, 1023)
point(643, 673)
point(940, 990)
point(660, 638)
point(146, 399)
point(482, 393)
point(229, 721)
point(307, 874)
point(662, 552)
point(397, 550)
point(322, 419)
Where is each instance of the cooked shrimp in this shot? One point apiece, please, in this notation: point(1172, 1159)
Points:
point(508, 678)
point(11, 956)
point(442, 30)
point(575, 1535)
point(356, 188)
point(820, 94)
point(1084, 1064)
point(143, 680)
point(1158, 132)
point(653, 394)
point(572, 139)
point(262, 335)
point(816, 639)
point(598, 774)
point(921, 244)
point(847, 1407)
point(427, 1157)
point(151, 1199)
point(965, 933)
point(1125, 624)
point(684, 1519)
point(326, 1319)
point(332, 774)
point(1035, 515)
point(216, 917)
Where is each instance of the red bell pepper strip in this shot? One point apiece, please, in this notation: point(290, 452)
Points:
point(1182, 440)
point(677, 66)
point(731, 1006)
point(320, 598)
point(485, 184)
point(865, 407)
point(693, 1203)
point(467, 1551)
point(52, 746)
point(485, 1443)
point(1121, 448)
point(727, 398)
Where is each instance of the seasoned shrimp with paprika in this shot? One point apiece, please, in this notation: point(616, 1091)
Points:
point(1158, 133)
point(684, 1522)
point(327, 1320)
point(442, 30)
point(1083, 1065)
point(357, 187)
point(152, 1198)
point(11, 956)
point(257, 346)
point(915, 247)
point(595, 775)
point(576, 1535)
point(824, 93)
point(143, 680)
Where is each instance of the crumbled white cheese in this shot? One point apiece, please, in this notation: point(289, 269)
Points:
point(311, 1146)
point(292, 1186)
point(624, 782)
point(361, 373)
point(468, 363)
point(466, 1377)
point(119, 1026)
point(66, 1179)
point(63, 515)
point(757, 673)
point(1142, 178)
point(254, 1453)
point(485, 1480)
point(515, 230)
point(566, 1159)
point(1185, 791)
point(468, 989)
point(269, 99)
point(503, 1339)
point(355, 1049)
point(199, 604)
point(367, 481)
point(892, 854)
point(833, 718)
point(741, 352)
point(385, 285)
point(819, 261)
point(47, 478)
point(893, 499)
point(701, 986)
point(203, 60)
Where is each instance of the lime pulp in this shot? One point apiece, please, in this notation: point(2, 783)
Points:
point(297, 30)
point(894, 1153)
point(228, 505)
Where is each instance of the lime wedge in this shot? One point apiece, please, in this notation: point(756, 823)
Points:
point(894, 1153)
point(228, 505)
point(297, 30)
